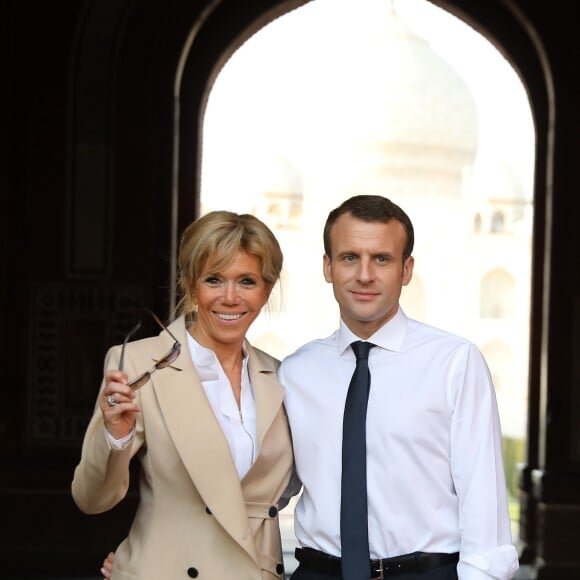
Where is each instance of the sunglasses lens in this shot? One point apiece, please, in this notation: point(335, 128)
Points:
point(169, 357)
point(174, 353)
point(140, 381)
point(164, 362)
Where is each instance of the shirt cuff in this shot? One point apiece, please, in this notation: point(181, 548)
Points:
point(120, 444)
point(500, 562)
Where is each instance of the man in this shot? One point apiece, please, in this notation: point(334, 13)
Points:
point(436, 494)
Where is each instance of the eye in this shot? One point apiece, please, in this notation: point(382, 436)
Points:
point(212, 280)
point(248, 281)
point(349, 258)
point(384, 259)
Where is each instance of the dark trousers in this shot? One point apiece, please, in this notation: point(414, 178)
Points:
point(448, 572)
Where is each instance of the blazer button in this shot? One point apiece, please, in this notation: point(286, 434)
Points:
point(279, 568)
point(273, 511)
point(207, 510)
point(192, 572)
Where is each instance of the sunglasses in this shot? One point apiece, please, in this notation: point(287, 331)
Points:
point(160, 364)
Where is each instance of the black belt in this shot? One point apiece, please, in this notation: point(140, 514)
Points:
point(416, 562)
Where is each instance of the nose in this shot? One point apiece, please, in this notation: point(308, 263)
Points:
point(231, 295)
point(365, 272)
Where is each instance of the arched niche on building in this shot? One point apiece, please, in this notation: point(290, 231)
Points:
point(497, 294)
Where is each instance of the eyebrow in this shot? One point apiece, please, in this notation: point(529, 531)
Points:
point(385, 254)
point(242, 275)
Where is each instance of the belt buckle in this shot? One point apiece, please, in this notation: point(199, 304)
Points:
point(380, 572)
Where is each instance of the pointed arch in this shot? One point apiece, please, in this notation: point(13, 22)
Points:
point(505, 25)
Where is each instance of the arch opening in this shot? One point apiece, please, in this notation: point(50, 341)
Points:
point(340, 150)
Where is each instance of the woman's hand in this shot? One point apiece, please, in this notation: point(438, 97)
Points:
point(117, 405)
point(108, 566)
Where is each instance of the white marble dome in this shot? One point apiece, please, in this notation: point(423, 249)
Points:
point(422, 137)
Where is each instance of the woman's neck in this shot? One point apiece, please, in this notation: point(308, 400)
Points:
point(229, 355)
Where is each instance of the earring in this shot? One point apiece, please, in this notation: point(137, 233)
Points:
point(193, 302)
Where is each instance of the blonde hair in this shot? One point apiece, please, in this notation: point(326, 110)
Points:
point(213, 240)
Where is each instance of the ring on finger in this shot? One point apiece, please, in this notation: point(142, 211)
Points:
point(111, 401)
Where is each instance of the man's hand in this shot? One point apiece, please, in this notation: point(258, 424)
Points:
point(107, 568)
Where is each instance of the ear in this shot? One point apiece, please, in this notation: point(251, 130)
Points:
point(408, 270)
point(327, 268)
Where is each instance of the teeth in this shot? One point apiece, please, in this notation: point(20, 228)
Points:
point(228, 316)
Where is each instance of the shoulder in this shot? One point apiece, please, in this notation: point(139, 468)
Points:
point(436, 343)
point(315, 350)
point(141, 346)
point(134, 350)
point(420, 332)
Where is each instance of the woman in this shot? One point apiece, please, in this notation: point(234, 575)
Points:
point(205, 419)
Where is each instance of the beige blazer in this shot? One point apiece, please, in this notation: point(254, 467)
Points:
point(195, 518)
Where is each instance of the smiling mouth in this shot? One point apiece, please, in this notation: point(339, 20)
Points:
point(223, 316)
point(364, 296)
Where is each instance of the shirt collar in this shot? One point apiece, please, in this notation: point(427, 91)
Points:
point(206, 362)
point(390, 336)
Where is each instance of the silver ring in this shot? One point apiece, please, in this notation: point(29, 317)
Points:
point(111, 401)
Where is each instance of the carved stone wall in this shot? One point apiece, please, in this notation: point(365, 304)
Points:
point(71, 329)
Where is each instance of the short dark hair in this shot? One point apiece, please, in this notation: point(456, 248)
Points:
point(370, 208)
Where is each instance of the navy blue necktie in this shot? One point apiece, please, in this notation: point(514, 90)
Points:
point(355, 553)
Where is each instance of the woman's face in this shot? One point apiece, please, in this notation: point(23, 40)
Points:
point(228, 301)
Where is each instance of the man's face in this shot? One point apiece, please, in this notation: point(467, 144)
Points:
point(367, 271)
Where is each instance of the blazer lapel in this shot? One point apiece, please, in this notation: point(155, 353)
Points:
point(199, 440)
point(268, 392)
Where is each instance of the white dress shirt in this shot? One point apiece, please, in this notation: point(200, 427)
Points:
point(238, 424)
point(434, 466)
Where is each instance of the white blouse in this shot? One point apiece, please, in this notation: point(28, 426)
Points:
point(238, 424)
